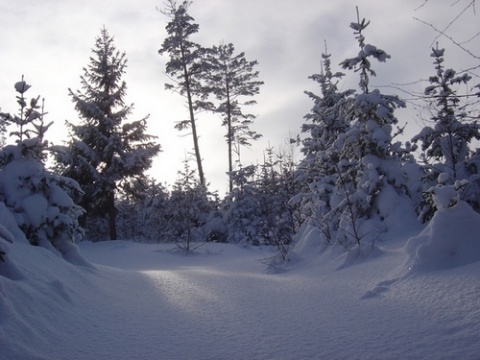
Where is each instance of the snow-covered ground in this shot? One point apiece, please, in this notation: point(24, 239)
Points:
point(144, 301)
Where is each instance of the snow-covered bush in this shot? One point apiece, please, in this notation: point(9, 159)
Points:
point(9, 233)
point(279, 216)
point(40, 201)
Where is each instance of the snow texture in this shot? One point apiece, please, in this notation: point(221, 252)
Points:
point(143, 301)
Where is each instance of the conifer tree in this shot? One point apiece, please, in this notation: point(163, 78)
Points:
point(105, 149)
point(42, 203)
point(276, 187)
point(446, 144)
point(241, 209)
point(317, 173)
point(369, 164)
point(186, 69)
point(232, 78)
point(189, 211)
point(142, 207)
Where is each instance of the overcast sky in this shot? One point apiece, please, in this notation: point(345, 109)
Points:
point(50, 41)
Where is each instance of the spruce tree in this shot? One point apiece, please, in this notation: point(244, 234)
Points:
point(231, 79)
point(446, 146)
point(370, 164)
point(105, 149)
point(317, 174)
point(42, 203)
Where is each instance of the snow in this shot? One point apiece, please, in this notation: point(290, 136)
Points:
point(35, 206)
point(126, 300)
point(451, 239)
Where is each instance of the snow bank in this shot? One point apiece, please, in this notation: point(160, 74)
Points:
point(451, 239)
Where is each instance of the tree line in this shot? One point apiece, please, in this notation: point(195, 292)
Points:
point(354, 182)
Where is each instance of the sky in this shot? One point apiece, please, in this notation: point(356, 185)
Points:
point(50, 42)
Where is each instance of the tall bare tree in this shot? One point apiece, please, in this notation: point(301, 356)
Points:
point(185, 68)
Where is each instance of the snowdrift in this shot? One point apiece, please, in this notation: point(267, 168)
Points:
point(451, 239)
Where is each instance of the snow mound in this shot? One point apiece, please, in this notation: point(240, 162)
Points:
point(451, 239)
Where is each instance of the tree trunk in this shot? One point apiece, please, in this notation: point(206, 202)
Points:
point(192, 121)
point(112, 215)
point(229, 139)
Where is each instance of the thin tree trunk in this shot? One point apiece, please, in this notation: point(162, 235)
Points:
point(193, 123)
point(112, 216)
point(196, 146)
point(229, 140)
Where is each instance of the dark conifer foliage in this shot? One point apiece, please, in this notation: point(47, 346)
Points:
point(105, 149)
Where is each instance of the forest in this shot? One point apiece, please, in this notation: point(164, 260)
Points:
point(355, 178)
point(356, 239)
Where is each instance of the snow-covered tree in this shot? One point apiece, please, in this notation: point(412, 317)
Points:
point(446, 146)
point(41, 202)
point(276, 186)
point(190, 208)
point(370, 177)
point(186, 69)
point(142, 208)
point(241, 210)
point(3, 129)
point(317, 173)
point(258, 210)
point(105, 149)
point(231, 78)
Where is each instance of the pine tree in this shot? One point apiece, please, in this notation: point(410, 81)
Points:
point(186, 69)
point(232, 78)
point(105, 149)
